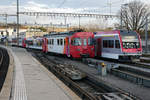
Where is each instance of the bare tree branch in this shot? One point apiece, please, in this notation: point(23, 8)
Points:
point(134, 15)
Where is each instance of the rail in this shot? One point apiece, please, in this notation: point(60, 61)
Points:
point(133, 75)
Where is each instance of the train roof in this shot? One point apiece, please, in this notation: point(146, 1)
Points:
point(67, 33)
point(116, 32)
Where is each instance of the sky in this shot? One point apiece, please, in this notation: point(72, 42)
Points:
point(68, 6)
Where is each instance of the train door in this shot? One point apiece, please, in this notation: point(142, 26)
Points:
point(24, 43)
point(67, 47)
point(44, 45)
point(99, 48)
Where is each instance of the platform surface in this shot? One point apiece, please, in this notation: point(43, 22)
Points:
point(34, 82)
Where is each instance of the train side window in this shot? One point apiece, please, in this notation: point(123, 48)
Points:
point(64, 41)
point(105, 43)
point(117, 44)
point(49, 41)
point(52, 41)
point(61, 41)
point(90, 41)
point(111, 43)
point(57, 41)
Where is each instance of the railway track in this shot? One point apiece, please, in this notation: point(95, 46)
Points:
point(87, 88)
point(4, 63)
point(138, 64)
point(133, 75)
point(138, 75)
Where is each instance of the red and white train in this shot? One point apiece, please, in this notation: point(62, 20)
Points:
point(118, 44)
point(72, 44)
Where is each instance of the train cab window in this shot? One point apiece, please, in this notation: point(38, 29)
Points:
point(117, 44)
point(61, 41)
point(84, 42)
point(76, 42)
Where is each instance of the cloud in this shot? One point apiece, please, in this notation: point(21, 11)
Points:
point(32, 6)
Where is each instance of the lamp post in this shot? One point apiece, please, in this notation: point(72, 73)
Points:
point(18, 21)
point(79, 22)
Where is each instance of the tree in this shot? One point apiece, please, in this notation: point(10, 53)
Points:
point(133, 15)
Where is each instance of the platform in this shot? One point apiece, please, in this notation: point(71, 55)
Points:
point(32, 81)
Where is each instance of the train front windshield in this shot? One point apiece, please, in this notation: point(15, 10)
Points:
point(130, 39)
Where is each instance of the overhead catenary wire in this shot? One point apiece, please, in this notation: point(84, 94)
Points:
point(62, 3)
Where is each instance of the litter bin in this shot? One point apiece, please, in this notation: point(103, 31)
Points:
point(102, 69)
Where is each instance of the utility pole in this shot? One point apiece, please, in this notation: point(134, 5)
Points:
point(121, 18)
point(18, 21)
point(79, 22)
point(6, 25)
point(146, 36)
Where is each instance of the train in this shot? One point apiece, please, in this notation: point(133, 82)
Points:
point(117, 44)
point(71, 44)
